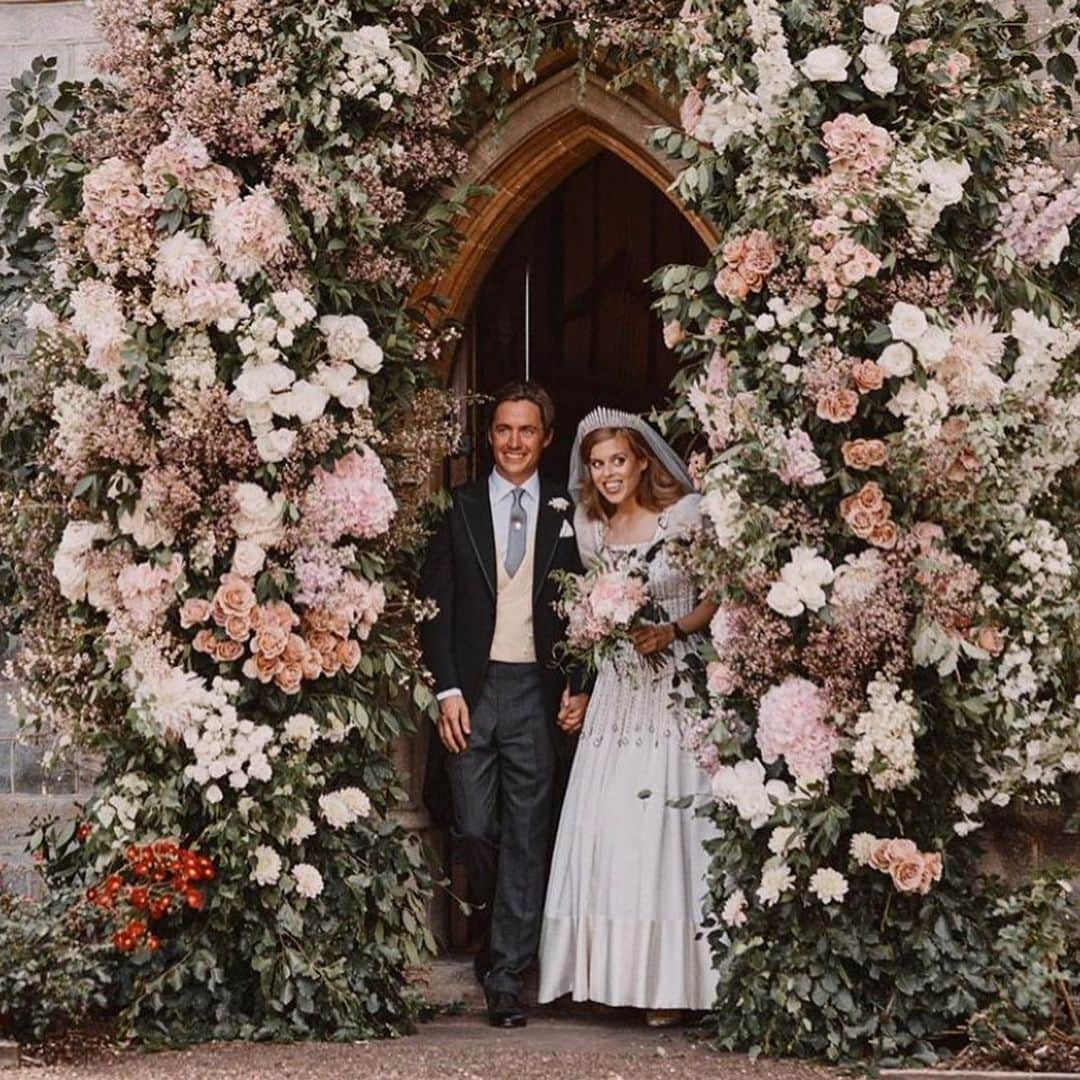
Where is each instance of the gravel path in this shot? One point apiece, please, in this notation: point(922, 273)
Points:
point(614, 1046)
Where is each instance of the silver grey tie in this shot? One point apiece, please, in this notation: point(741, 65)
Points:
point(515, 542)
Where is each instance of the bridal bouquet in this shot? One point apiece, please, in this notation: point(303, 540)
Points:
point(602, 605)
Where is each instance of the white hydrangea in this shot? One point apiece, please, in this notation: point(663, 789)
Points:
point(885, 737)
point(349, 341)
point(723, 506)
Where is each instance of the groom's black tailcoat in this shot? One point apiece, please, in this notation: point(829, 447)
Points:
point(502, 788)
point(460, 575)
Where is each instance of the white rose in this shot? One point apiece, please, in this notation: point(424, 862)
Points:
point(248, 558)
point(259, 515)
point(303, 400)
point(212, 794)
point(70, 574)
point(784, 599)
point(335, 379)
point(907, 322)
point(267, 866)
point(356, 395)
point(946, 179)
point(828, 64)
point(933, 345)
point(765, 323)
point(142, 528)
point(256, 382)
point(301, 729)
point(881, 19)
point(897, 360)
point(875, 57)
point(369, 357)
point(309, 882)
point(275, 445)
point(881, 81)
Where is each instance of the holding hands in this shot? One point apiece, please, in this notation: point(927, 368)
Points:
point(650, 638)
point(572, 711)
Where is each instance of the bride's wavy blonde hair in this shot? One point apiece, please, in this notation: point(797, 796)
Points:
point(658, 489)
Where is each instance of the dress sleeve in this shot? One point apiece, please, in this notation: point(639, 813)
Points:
point(683, 515)
point(585, 532)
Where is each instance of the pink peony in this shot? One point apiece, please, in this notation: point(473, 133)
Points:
point(249, 233)
point(791, 724)
point(856, 145)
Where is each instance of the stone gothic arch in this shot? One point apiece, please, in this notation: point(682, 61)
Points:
point(547, 132)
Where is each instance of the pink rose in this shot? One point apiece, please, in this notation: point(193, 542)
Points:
point(193, 611)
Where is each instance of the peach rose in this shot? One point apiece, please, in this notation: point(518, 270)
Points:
point(321, 641)
point(933, 865)
point(204, 641)
point(673, 333)
point(194, 610)
point(868, 376)
point(266, 667)
point(907, 874)
point(871, 497)
point(348, 652)
point(234, 598)
point(901, 849)
point(837, 406)
point(238, 628)
point(864, 453)
point(879, 855)
point(311, 665)
point(270, 641)
point(861, 522)
point(296, 649)
point(288, 678)
point(884, 535)
point(989, 639)
point(731, 284)
point(329, 663)
point(759, 256)
point(228, 651)
point(278, 613)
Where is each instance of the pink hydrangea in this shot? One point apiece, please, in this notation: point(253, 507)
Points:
point(791, 724)
point(800, 466)
point(352, 500)
point(146, 590)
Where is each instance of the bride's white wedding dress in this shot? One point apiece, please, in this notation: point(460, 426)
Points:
point(623, 910)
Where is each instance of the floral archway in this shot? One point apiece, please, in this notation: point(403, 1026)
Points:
point(214, 497)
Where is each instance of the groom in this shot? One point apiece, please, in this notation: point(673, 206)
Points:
point(500, 696)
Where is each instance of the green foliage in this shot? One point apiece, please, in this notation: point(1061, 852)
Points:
point(56, 974)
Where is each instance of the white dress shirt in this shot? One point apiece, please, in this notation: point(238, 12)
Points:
point(500, 494)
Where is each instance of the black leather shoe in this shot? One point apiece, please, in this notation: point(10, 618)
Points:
point(506, 1011)
point(481, 965)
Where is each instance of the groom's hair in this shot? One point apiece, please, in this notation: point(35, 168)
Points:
point(525, 390)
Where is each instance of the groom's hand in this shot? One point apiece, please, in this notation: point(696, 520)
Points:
point(454, 729)
point(572, 711)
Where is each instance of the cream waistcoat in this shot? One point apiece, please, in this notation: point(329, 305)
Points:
point(513, 640)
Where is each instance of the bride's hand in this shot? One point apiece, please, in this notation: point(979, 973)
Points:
point(652, 639)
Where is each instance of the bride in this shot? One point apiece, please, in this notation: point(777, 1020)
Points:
point(628, 876)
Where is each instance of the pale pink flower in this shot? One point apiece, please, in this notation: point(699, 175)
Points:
point(352, 500)
point(791, 724)
point(855, 144)
point(249, 233)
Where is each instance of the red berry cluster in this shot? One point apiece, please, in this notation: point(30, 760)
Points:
point(158, 878)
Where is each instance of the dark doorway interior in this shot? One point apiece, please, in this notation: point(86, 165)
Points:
point(567, 303)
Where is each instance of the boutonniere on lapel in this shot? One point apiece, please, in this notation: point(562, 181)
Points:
point(559, 503)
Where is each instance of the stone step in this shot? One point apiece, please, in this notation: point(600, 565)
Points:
point(9, 1055)
point(449, 982)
